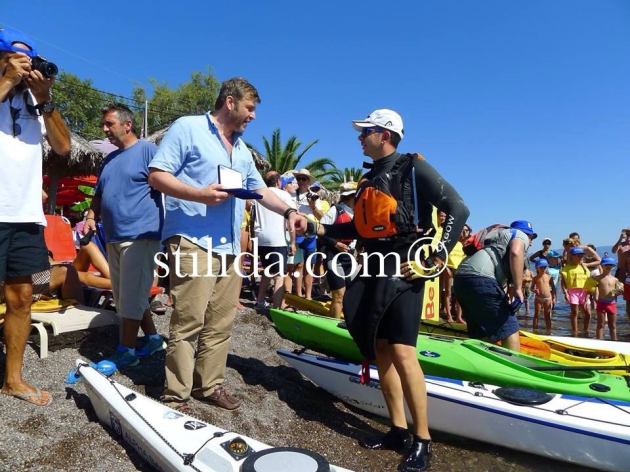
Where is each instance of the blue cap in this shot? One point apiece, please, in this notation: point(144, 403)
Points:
point(542, 263)
point(8, 37)
point(553, 253)
point(525, 227)
point(316, 184)
point(284, 181)
point(609, 261)
point(576, 251)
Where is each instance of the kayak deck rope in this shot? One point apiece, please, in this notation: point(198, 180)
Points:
point(188, 458)
point(564, 411)
point(128, 403)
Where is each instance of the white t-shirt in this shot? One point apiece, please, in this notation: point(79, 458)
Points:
point(304, 208)
point(21, 157)
point(269, 226)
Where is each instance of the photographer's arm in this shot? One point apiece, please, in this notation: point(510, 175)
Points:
point(57, 132)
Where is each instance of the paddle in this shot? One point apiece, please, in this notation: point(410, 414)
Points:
point(535, 348)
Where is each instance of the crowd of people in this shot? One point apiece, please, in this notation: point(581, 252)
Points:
point(187, 200)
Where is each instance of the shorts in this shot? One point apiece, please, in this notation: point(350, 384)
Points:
point(577, 296)
point(22, 250)
point(308, 245)
point(338, 275)
point(401, 321)
point(274, 259)
point(610, 307)
point(131, 266)
point(485, 307)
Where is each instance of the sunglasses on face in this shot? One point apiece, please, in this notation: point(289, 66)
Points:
point(368, 131)
point(301, 179)
point(15, 114)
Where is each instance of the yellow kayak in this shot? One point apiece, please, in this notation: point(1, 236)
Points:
point(532, 344)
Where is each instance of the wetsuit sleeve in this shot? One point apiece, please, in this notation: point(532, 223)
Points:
point(432, 188)
point(341, 231)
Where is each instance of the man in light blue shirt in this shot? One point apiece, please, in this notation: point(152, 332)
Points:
point(202, 235)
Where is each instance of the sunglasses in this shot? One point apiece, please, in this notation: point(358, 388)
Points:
point(301, 179)
point(365, 132)
point(15, 114)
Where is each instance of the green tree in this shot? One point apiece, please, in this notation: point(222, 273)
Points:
point(166, 104)
point(80, 104)
point(286, 157)
point(347, 174)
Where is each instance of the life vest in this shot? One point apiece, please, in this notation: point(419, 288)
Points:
point(477, 240)
point(385, 206)
point(343, 217)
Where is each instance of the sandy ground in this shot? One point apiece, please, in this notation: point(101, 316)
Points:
point(279, 408)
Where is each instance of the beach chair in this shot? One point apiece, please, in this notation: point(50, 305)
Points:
point(60, 238)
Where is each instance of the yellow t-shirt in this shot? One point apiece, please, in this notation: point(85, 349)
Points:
point(575, 276)
point(456, 256)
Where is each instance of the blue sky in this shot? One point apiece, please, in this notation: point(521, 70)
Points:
point(524, 106)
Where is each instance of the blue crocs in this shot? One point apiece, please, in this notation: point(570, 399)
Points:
point(150, 345)
point(124, 357)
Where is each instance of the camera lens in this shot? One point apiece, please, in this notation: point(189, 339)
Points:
point(48, 69)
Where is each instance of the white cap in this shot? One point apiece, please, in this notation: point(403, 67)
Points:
point(382, 118)
point(348, 188)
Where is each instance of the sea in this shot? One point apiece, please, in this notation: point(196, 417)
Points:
point(560, 321)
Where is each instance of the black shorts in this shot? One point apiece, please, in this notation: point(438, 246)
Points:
point(275, 258)
point(401, 321)
point(339, 275)
point(22, 250)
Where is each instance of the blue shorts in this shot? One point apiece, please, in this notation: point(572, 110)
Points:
point(485, 308)
point(22, 250)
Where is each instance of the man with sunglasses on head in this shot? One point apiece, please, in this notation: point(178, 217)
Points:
point(26, 114)
point(383, 304)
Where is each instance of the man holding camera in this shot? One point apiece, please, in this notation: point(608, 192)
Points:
point(26, 113)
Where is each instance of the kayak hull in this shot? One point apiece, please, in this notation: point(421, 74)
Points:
point(167, 439)
point(466, 359)
point(591, 433)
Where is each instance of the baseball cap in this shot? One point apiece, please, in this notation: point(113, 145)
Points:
point(348, 188)
point(553, 253)
point(383, 118)
point(8, 37)
point(525, 227)
point(576, 251)
point(608, 261)
point(285, 180)
point(542, 263)
point(545, 240)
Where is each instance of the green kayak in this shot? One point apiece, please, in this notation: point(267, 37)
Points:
point(465, 359)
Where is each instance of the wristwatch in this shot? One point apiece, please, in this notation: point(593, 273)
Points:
point(46, 107)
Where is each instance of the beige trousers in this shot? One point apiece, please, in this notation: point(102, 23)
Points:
point(202, 320)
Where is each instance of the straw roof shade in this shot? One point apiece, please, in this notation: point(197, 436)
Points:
point(84, 159)
point(259, 160)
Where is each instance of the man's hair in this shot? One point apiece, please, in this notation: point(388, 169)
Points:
point(272, 178)
point(123, 112)
point(395, 138)
point(239, 89)
point(574, 235)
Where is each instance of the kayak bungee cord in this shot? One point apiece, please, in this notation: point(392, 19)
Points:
point(184, 457)
point(563, 412)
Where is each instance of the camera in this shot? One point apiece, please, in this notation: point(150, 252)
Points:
point(312, 196)
point(48, 69)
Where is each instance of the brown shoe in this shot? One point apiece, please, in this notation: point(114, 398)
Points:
point(222, 398)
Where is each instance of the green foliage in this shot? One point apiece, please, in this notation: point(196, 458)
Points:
point(80, 105)
point(166, 105)
point(348, 174)
point(284, 158)
point(86, 189)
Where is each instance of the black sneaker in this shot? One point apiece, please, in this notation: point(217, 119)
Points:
point(418, 457)
point(396, 439)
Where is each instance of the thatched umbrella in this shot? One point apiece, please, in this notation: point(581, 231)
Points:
point(84, 159)
point(261, 163)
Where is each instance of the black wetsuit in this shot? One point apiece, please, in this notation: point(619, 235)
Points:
point(389, 307)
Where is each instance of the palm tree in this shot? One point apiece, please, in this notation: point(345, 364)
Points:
point(284, 158)
point(347, 174)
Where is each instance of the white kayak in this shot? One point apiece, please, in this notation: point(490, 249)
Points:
point(621, 347)
point(585, 431)
point(171, 441)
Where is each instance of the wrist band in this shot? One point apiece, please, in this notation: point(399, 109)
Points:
point(288, 211)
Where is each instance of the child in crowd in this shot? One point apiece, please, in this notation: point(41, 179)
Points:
point(554, 258)
point(543, 288)
point(606, 298)
point(527, 284)
point(573, 280)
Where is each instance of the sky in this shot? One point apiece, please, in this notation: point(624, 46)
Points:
point(522, 105)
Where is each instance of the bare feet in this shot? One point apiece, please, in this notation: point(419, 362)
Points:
point(29, 394)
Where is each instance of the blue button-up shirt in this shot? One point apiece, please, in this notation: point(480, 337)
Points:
point(192, 150)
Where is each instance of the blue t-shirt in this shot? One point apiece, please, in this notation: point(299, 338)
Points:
point(192, 150)
point(130, 208)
